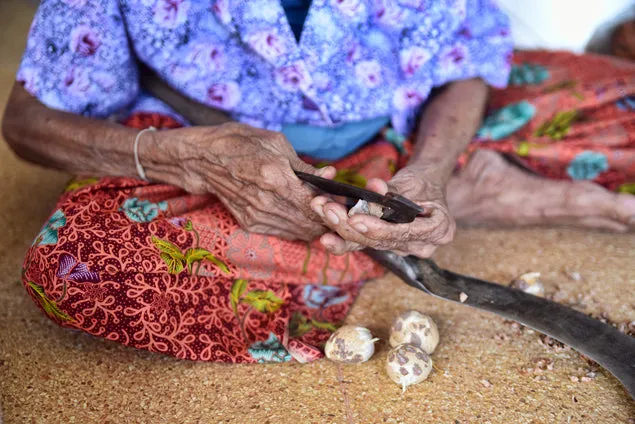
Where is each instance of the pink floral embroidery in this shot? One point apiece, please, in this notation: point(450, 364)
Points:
point(388, 13)
point(452, 58)
point(171, 13)
point(267, 43)
point(28, 78)
point(77, 82)
point(221, 10)
point(160, 303)
point(407, 98)
point(84, 40)
point(224, 95)
point(293, 77)
point(369, 73)
point(354, 53)
point(95, 292)
point(349, 8)
point(255, 255)
point(412, 59)
point(209, 57)
point(105, 80)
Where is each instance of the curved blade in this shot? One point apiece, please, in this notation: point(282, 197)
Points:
point(601, 342)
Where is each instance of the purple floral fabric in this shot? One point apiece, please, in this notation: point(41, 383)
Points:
point(356, 59)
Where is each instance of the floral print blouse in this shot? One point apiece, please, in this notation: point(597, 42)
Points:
point(356, 59)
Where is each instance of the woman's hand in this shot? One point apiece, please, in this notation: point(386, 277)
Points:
point(420, 237)
point(249, 169)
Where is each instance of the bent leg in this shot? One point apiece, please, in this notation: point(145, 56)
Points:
point(567, 123)
point(154, 268)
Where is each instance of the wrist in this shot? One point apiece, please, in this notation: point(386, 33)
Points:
point(436, 170)
point(157, 156)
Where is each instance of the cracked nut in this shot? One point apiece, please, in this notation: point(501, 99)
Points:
point(408, 364)
point(350, 344)
point(415, 328)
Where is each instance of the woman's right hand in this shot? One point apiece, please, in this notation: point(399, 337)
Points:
point(249, 169)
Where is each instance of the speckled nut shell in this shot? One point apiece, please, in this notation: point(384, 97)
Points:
point(415, 328)
point(350, 344)
point(529, 283)
point(408, 364)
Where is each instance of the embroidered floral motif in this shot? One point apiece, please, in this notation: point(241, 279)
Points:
point(528, 74)
point(394, 138)
point(176, 261)
point(49, 306)
point(506, 121)
point(559, 126)
point(626, 104)
point(49, 233)
point(588, 165)
point(320, 296)
point(252, 254)
point(142, 210)
point(270, 350)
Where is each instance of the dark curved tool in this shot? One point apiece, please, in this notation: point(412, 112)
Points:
point(601, 342)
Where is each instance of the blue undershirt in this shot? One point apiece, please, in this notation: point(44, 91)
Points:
point(328, 143)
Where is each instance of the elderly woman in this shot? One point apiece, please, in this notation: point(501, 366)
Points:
point(200, 242)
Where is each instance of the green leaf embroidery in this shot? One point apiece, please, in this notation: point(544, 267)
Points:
point(171, 255)
point(188, 226)
point(238, 288)
point(77, 184)
point(49, 306)
point(324, 325)
point(559, 126)
point(299, 325)
point(265, 302)
point(198, 254)
point(175, 265)
point(195, 255)
point(213, 259)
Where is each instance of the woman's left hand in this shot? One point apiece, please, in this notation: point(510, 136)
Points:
point(421, 237)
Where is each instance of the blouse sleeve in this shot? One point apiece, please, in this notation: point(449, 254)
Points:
point(78, 58)
point(481, 47)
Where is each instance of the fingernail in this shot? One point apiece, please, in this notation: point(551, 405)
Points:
point(318, 210)
point(360, 227)
point(332, 217)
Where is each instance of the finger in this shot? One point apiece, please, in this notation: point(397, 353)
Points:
point(336, 218)
point(377, 185)
point(337, 245)
point(421, 229)
point(317, 204)
point(600, 223)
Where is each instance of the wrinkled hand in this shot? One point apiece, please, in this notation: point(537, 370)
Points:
point(251, 172)
point(420, 237)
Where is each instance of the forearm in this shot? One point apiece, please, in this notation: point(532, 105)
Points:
point(65, 141)
point(446, 126)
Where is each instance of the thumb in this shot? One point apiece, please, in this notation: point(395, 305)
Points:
point(325, 172)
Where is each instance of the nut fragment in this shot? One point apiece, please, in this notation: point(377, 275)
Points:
point(350, 344)
point(529, 283)
point(415, 328)
point(408, 364)
point(362, 206)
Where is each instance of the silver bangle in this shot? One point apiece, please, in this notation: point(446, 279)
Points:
point(140, 171)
